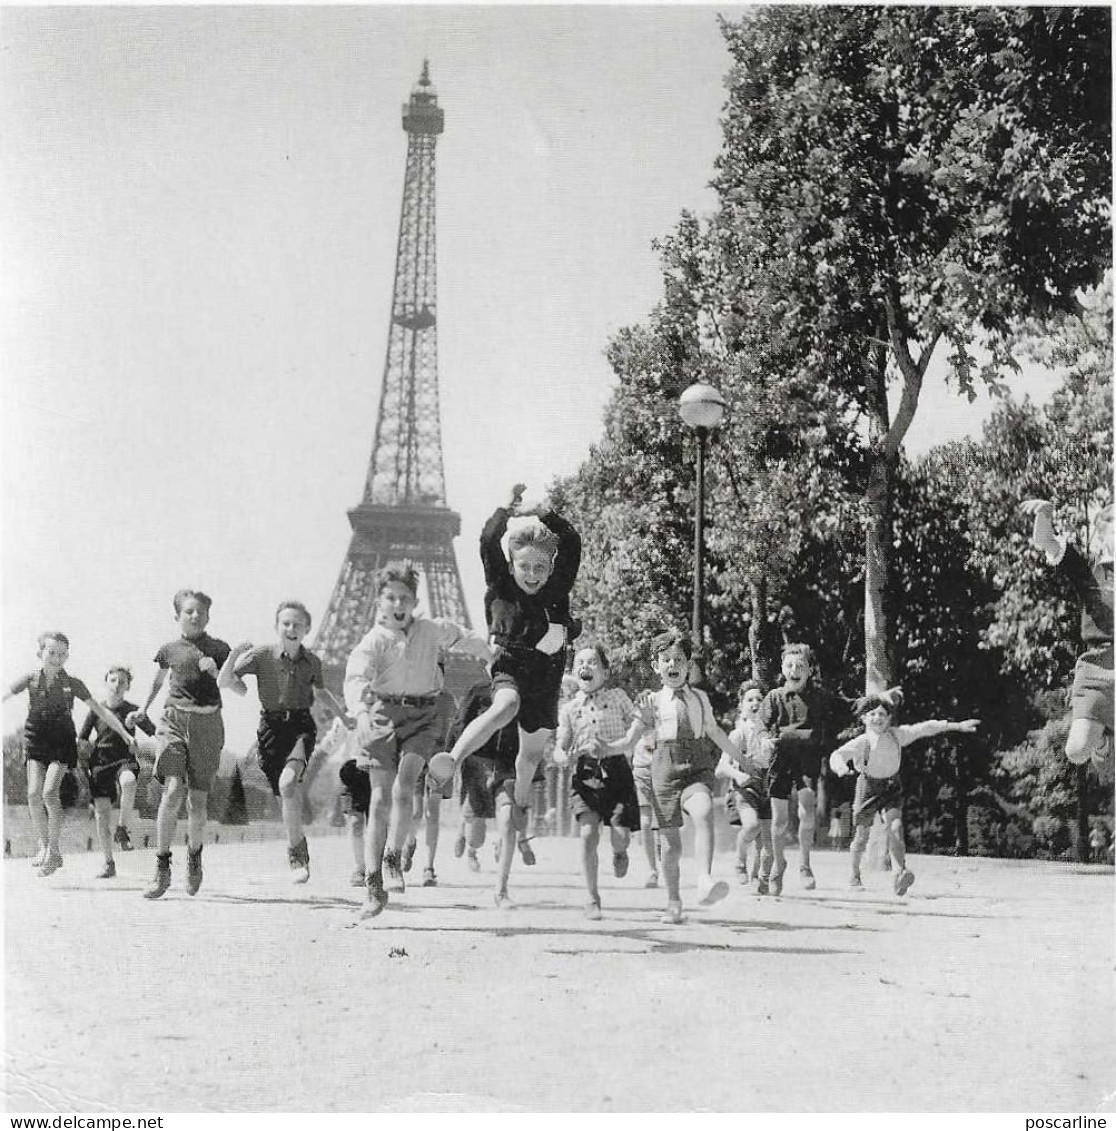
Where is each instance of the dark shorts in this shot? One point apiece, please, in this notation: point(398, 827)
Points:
point(606, 788)
point(792, 768)
point(481, 780)
point(679, 769)
point(277, 743)
point(45, 744)
point(1092, 694)
point(752, 795)
point(875, 795)
point(104, 779)
point(356, 788)
point(538, 680)
point(403, 728)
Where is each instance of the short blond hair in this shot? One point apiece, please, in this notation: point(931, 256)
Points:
point(534, 535)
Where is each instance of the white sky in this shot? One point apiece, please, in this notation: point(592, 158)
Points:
point(198, 218)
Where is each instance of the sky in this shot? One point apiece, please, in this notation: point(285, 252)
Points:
point(199, 210)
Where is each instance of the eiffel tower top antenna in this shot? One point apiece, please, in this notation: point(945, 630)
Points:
point(403, 511)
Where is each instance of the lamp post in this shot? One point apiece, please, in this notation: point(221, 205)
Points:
point(702, 408)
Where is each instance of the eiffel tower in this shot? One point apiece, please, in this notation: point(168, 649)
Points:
point(403, 513)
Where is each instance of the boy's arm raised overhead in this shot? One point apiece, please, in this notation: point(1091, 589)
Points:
point(567, 559)
point(492, 554)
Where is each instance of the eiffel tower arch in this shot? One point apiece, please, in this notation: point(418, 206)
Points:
point(403, 512)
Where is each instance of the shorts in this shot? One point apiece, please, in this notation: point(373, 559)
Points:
point(537, 678)
point(104, 779)
point(44, 744)
point(481, 780)
point(606, 788)
point(410, 728)
point(1091, 695)
point(752, 795)
point(643, 788)
point(679, 768)
point(188, 745)
point(875, 795)
point(277, 739)
point(356, 788)
point(792, 768)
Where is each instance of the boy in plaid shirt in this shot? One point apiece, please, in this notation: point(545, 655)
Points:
point(594, 724)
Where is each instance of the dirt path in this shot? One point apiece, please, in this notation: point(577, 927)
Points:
point(990, 988)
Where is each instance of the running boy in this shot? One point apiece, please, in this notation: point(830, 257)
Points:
point(287, 676)
point(749, 787)
point(189, 737)
point(527, 602)
point(797, 715)
point(392, 681)
point(594, 724)
point(876, 755)
point(50, 741)
point(1092, 693)
point(112, 766)
point(682, 767)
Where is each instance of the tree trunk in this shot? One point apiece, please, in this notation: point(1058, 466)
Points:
point(962, 799)
point(878, 668)
point(757, 633)
point(1082, 837)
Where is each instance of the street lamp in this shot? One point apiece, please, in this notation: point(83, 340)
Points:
point(701, 407)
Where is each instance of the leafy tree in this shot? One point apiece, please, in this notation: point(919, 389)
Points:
point(901, 180)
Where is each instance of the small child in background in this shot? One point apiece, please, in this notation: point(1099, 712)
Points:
point(1091, 696)
point(111, 766)
point(593, 725)
point(876, 755)
point(50, 741)
point(287, 678)
point(682, 768)
point(749, 787)
point(798, 717)
point(189, 738)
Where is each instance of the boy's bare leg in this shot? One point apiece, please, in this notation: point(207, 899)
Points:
point(102, 818)
point(376, 824)
point(861, 833)
point(127, 785)
point(895, 841)
point(589, 829)
point(504, 708)
point(403, 800)
point(356, 824)
point(36, 809)
point(647, 836)
point(166, 819)
point(807, 804)
point(670, 842)
point(532, 748)
point(780, 819)
point(197, 816)
point(291, 801)
point(505, 833)
point(52, 800)
point(432, 815)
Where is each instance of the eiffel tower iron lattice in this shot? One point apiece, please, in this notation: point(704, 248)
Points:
point(403, 513)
